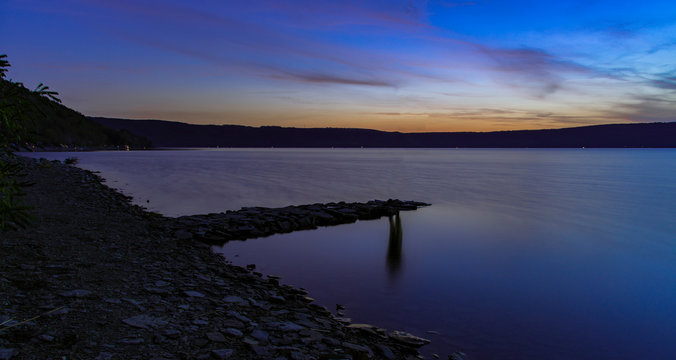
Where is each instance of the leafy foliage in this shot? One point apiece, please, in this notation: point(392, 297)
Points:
point(13, 213)
point(4, 64)
point(43, 90)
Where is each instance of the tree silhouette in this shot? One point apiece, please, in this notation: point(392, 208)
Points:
point(14, 214)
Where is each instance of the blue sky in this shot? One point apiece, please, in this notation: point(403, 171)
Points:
point(392, 65)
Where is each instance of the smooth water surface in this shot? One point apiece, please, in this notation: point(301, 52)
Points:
point(524, 254)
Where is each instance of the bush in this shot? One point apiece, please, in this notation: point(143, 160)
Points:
point(13, 213)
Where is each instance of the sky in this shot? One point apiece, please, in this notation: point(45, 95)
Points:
point(395, 65)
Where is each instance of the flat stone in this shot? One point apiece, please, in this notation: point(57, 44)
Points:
point(200, 322)
point(250, 341)
point(367, 328)
point(193, 293)
point(157, 290)
point(215, 336)
point(144, 322)
point(285, 326)
point(46, 338)
point(358, 348)
point(234, 300)
point(233, 332)
point(105, 356)
point(260, 335)
point(238, 316)
point(233, 323)
point(132, 341)
point(385, 351)
point(261, 351)
point(458, 355)
point(161, 283)
point(344, 320)
point(222, 354)
point(77, 293)
point(172, 333)
point(408, 339)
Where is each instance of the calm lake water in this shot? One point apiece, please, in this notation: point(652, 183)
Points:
point(524, 254)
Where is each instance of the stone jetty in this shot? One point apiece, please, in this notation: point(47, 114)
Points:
point(253, 222)
point(95, 277)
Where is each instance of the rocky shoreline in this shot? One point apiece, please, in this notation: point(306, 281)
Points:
point(253, 222)
point(98, 278)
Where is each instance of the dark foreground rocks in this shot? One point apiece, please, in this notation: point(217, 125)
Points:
point(98, 278)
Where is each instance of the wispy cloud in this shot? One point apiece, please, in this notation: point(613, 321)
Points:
point(532, 68)
point(329, 78)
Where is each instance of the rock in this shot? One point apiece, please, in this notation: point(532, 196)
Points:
point(132, 341)
point(234, 300)
point(172, 333)
point(233, 332)
point(215, 336)
point(408, 339)
point(46, 338)
point(144, 322)
point(156, 290)
point(6, 354)
point(200, 322)
point(199, 342)
point(183, 234)
point(344, 320)
point(233, 323)
point(192, 293)
point(260, 335)
point(458, 355)
point(222, 354)
point(385, 351)
point(278, 299)
point(358, 348)
point(78, 293)
point(135, 303)
point(366, 328)
point(285, 326)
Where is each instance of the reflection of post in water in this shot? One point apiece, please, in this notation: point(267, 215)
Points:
point(394, 246)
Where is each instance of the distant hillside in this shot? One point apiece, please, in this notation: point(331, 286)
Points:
point(52, 124)
point(176, 134)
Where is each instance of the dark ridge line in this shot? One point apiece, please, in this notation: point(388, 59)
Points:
point(176, 134)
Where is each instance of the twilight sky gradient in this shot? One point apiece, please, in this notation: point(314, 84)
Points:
point(383, 64)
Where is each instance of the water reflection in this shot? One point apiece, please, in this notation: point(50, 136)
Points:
point(394, 246)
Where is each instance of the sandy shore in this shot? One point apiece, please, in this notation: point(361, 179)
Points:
point(98, 278)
